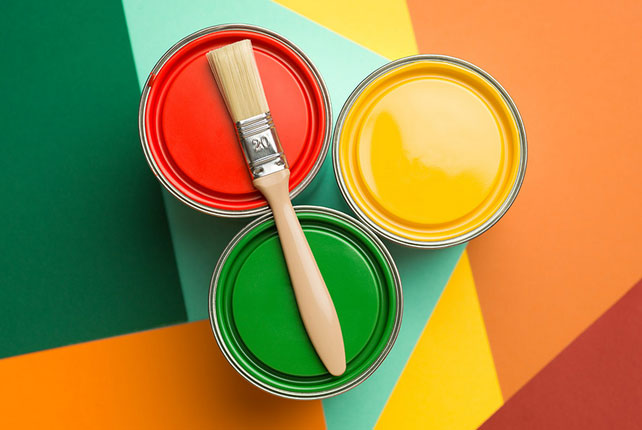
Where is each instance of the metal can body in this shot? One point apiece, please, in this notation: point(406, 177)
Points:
point(253, 310)
point(190, 141)
point(430, 151)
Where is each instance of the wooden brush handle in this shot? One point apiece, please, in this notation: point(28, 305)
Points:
point(315, 304)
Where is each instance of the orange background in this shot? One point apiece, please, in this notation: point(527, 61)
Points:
point(169, 378)
point(570, 246)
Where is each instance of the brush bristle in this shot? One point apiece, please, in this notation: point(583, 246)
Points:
point(237, 76)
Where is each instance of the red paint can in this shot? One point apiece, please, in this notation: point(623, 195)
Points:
point(189, 139)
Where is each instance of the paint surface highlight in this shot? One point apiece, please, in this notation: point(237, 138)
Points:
point(429, 150)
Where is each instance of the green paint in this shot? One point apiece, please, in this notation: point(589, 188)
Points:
point(85, 249)
point(264, 295)
point(257, 310)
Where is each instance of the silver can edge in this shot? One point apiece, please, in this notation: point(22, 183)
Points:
point(348, 385)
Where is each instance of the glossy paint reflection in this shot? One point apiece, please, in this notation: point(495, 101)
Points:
point(429, 151)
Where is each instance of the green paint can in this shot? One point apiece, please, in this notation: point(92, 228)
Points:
point(254, 315)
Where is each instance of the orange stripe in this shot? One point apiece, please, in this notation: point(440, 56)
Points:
point(167, 378)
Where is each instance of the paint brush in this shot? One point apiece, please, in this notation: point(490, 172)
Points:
point(237, 76)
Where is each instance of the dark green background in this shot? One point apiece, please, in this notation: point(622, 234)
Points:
point(85, 247)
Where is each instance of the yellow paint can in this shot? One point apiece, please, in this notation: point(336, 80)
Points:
point(430, 151)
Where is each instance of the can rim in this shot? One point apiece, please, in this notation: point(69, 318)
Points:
point(228, 213)
point(349, 384)
point(506, 204)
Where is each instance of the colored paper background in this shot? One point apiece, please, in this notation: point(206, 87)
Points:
point(595, 383)
point(169, 378)
point(87, 252)
point(449, 381)
point(383, 26)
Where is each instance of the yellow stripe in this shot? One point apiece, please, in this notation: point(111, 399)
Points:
point(450, 380)
point(382, 26)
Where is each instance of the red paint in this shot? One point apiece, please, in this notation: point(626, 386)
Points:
point(191, 135)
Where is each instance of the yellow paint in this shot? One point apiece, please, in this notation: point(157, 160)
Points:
point(382, 26)
point(449, 381)
point(429, 151)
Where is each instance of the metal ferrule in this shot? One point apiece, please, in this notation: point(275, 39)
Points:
point(261, 145)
